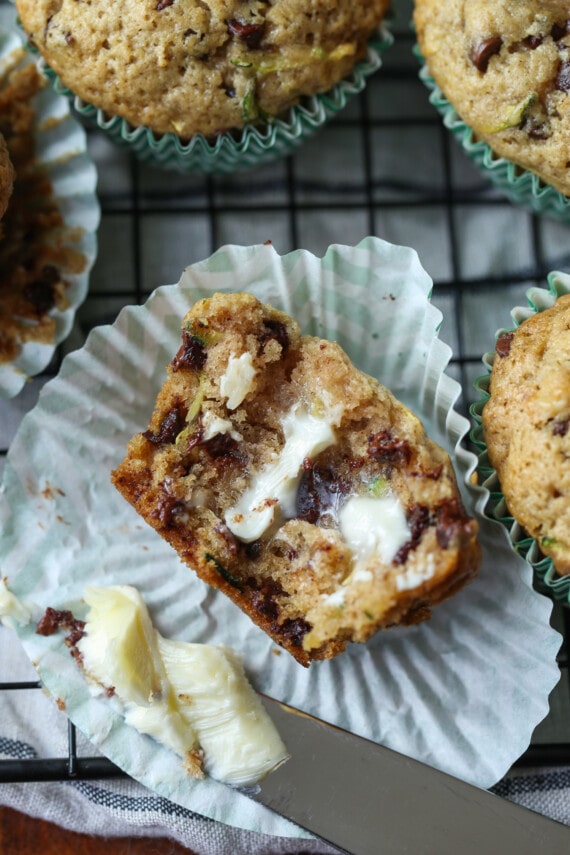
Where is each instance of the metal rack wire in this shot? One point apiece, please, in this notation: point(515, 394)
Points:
point(385, 166)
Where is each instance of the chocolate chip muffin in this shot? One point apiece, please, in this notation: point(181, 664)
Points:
point(505, 68)
point(31, 258)
point(296, 484)
point(526, 425)
point(188, 68)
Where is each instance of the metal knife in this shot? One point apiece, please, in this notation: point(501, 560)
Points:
point(365, 799)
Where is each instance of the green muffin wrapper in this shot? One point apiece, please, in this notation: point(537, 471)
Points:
point(234, 150)
point(546, 578)
point(522, 186)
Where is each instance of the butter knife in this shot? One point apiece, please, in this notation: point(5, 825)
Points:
point(365, 799)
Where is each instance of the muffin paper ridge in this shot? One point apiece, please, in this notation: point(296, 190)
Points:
point(493, 505)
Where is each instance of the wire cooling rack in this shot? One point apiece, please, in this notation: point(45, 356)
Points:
point(386, 166)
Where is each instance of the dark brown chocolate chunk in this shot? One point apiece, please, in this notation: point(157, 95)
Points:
point(481, 53)
point(277, 331)
point(558, 31)
point(562, 81)
point(250, 33)
point(220, 445)
point(536, 130)
point(560, 428)
point(532, 42)
point(418, 518)
point(383, 446)
point(163, 4)
point(451, 521)
point(191, 353)
point(171, 425)
point(166, 509)
point(321, 490)
point(503, 345)
point(294, 630)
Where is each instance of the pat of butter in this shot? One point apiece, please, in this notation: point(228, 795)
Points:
point(120, 649)
point(274, 488)
point(374, 526)
point(205, 705)
point(237, 381)
point(240, 742)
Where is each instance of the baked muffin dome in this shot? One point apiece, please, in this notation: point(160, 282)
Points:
point(505, 68)
point(526, 425)
point(185, 68)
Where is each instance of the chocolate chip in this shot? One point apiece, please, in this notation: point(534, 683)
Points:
point(191, 353)
point(451, 521)
point(481, 53)
point(558, 31)
point(320, 491)
point(251, 33)
point(383, 446)
point(418, 519)
point(163, 4)
point(534, 129)
point(532, 42)
point(562, 81)
point(561, 428)
point(166, 509)
point(170, 426)
point(503, 345)
point(294, 629)
point(275, 331)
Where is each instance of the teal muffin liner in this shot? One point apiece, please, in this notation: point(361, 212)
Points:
point(546, 579)
point(234, 151)
point(522, 187)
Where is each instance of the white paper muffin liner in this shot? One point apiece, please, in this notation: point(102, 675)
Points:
point(462, 692)
point(546, 578)
point(62, 155)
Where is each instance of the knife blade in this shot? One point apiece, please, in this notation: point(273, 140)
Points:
point(366, 799)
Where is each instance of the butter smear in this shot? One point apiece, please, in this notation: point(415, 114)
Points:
point(192, 698)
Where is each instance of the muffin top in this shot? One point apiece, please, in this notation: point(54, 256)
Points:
point(199, 67)
point(6, 177)
point(526, 425)
point(505, 67)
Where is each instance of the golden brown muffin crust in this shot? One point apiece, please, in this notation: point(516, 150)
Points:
point(526, 427)
point(185, 67)
point(505, 67)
